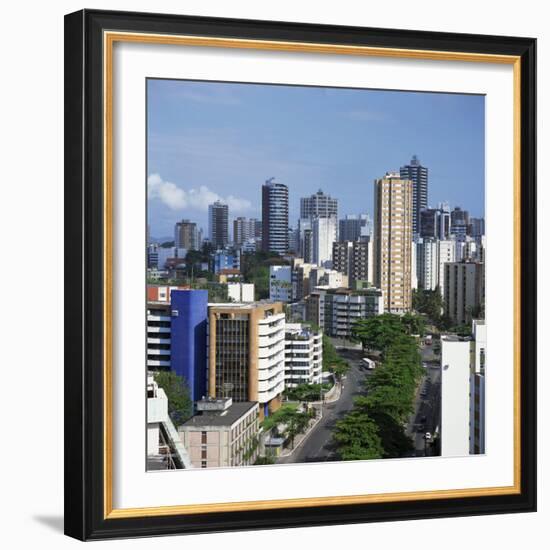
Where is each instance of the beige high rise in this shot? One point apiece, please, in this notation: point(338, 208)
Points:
point(393, 210)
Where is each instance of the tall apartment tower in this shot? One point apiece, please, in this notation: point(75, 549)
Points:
point(355, 228)
point(246, 349)
point(460, 220)
point(352, 259)
point(244, 229)
point(464, 291)
point(393, 213)
point(418, 174)
point(186, 235)
point(274, 217)
point(318, 205)
point(218, 224)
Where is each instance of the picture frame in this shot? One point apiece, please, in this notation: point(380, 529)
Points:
point(90, 162)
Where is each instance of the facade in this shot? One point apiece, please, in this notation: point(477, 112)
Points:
point(280, 283)
point(303, 355)
point(186, 235)
point(352, 259)
point(240, 292)
point(460, 221)
point(274, 217)
point(305, 238)
point(476, 229)
point(435, 223)
point(222, 434)
point(245, 229)
point(246, 353)
point(218, 224)
point(336, 310)
point(159, 335)
point(463, 392)
point(418, 174)
point(455, 396)
point(393, 207)
point(318, 205)
point(354, 227)
point(188, 311)
point(223, 260)
point(323, 236)
point(427, 263)
point(464, 290)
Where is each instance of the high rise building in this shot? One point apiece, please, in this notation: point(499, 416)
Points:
point(188, 311)
point(218, 224)
point(476, 229)
point(418, 174)
point(355, 227)
point(393, 212)
point(460, 220)
point(435, 223)
point(186, 235)
point(247, 353)
point(464, 291)
point(274, 217)
point(352, 259)
point(318, 205)
point(323, 236)
point(245, 229)
point(280, 283)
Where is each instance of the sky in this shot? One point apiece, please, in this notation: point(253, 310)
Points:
point(209, 140)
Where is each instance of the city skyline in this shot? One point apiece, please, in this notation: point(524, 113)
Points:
point(206, 143)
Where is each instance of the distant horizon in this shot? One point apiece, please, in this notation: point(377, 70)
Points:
point(209, 141)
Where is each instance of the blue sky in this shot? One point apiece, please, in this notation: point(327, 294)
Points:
point(209, 140)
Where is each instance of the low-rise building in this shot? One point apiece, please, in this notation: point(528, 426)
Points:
point(222, 434)
point(280, 283)
point(303, 355)
point(240, 292)
point(335, 310)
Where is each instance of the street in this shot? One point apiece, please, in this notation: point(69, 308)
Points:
point(426, 417)
point(318, 446)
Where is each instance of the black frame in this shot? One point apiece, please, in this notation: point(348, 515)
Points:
point(84, 275)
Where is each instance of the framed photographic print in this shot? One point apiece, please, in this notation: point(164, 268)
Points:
point(300, 274)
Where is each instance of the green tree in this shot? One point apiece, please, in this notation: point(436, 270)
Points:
point(332, 362)
point(358, 438)
point(180, 406)
point(377, 333)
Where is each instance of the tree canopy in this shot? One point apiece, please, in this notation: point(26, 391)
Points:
point(180, 406)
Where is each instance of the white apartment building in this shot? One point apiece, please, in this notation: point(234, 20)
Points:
point(280, 283)
point(324, 233)
point(303, 355)
point(158, 335)
point(455, 396)
point(463, 392)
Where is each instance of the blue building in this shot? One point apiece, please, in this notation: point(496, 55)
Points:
point(189, 313)
point(226, 260)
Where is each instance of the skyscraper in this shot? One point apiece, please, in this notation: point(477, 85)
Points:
point(218, 224)
point(318, 205)
point(323, 232)
point(354, 227)
point(460, 220)
point(435, 223)
point(274, 217)
point(418, 174)
point(186, 235)
point(393, 212)
point(244, 229)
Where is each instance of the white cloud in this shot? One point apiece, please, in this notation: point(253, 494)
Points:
point(198, 198)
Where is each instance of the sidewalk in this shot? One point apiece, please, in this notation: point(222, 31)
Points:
point(333, 395)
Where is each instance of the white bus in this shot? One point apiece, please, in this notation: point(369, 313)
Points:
point(369, 363)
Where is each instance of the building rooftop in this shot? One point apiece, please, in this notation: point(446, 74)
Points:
point(225, 418)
